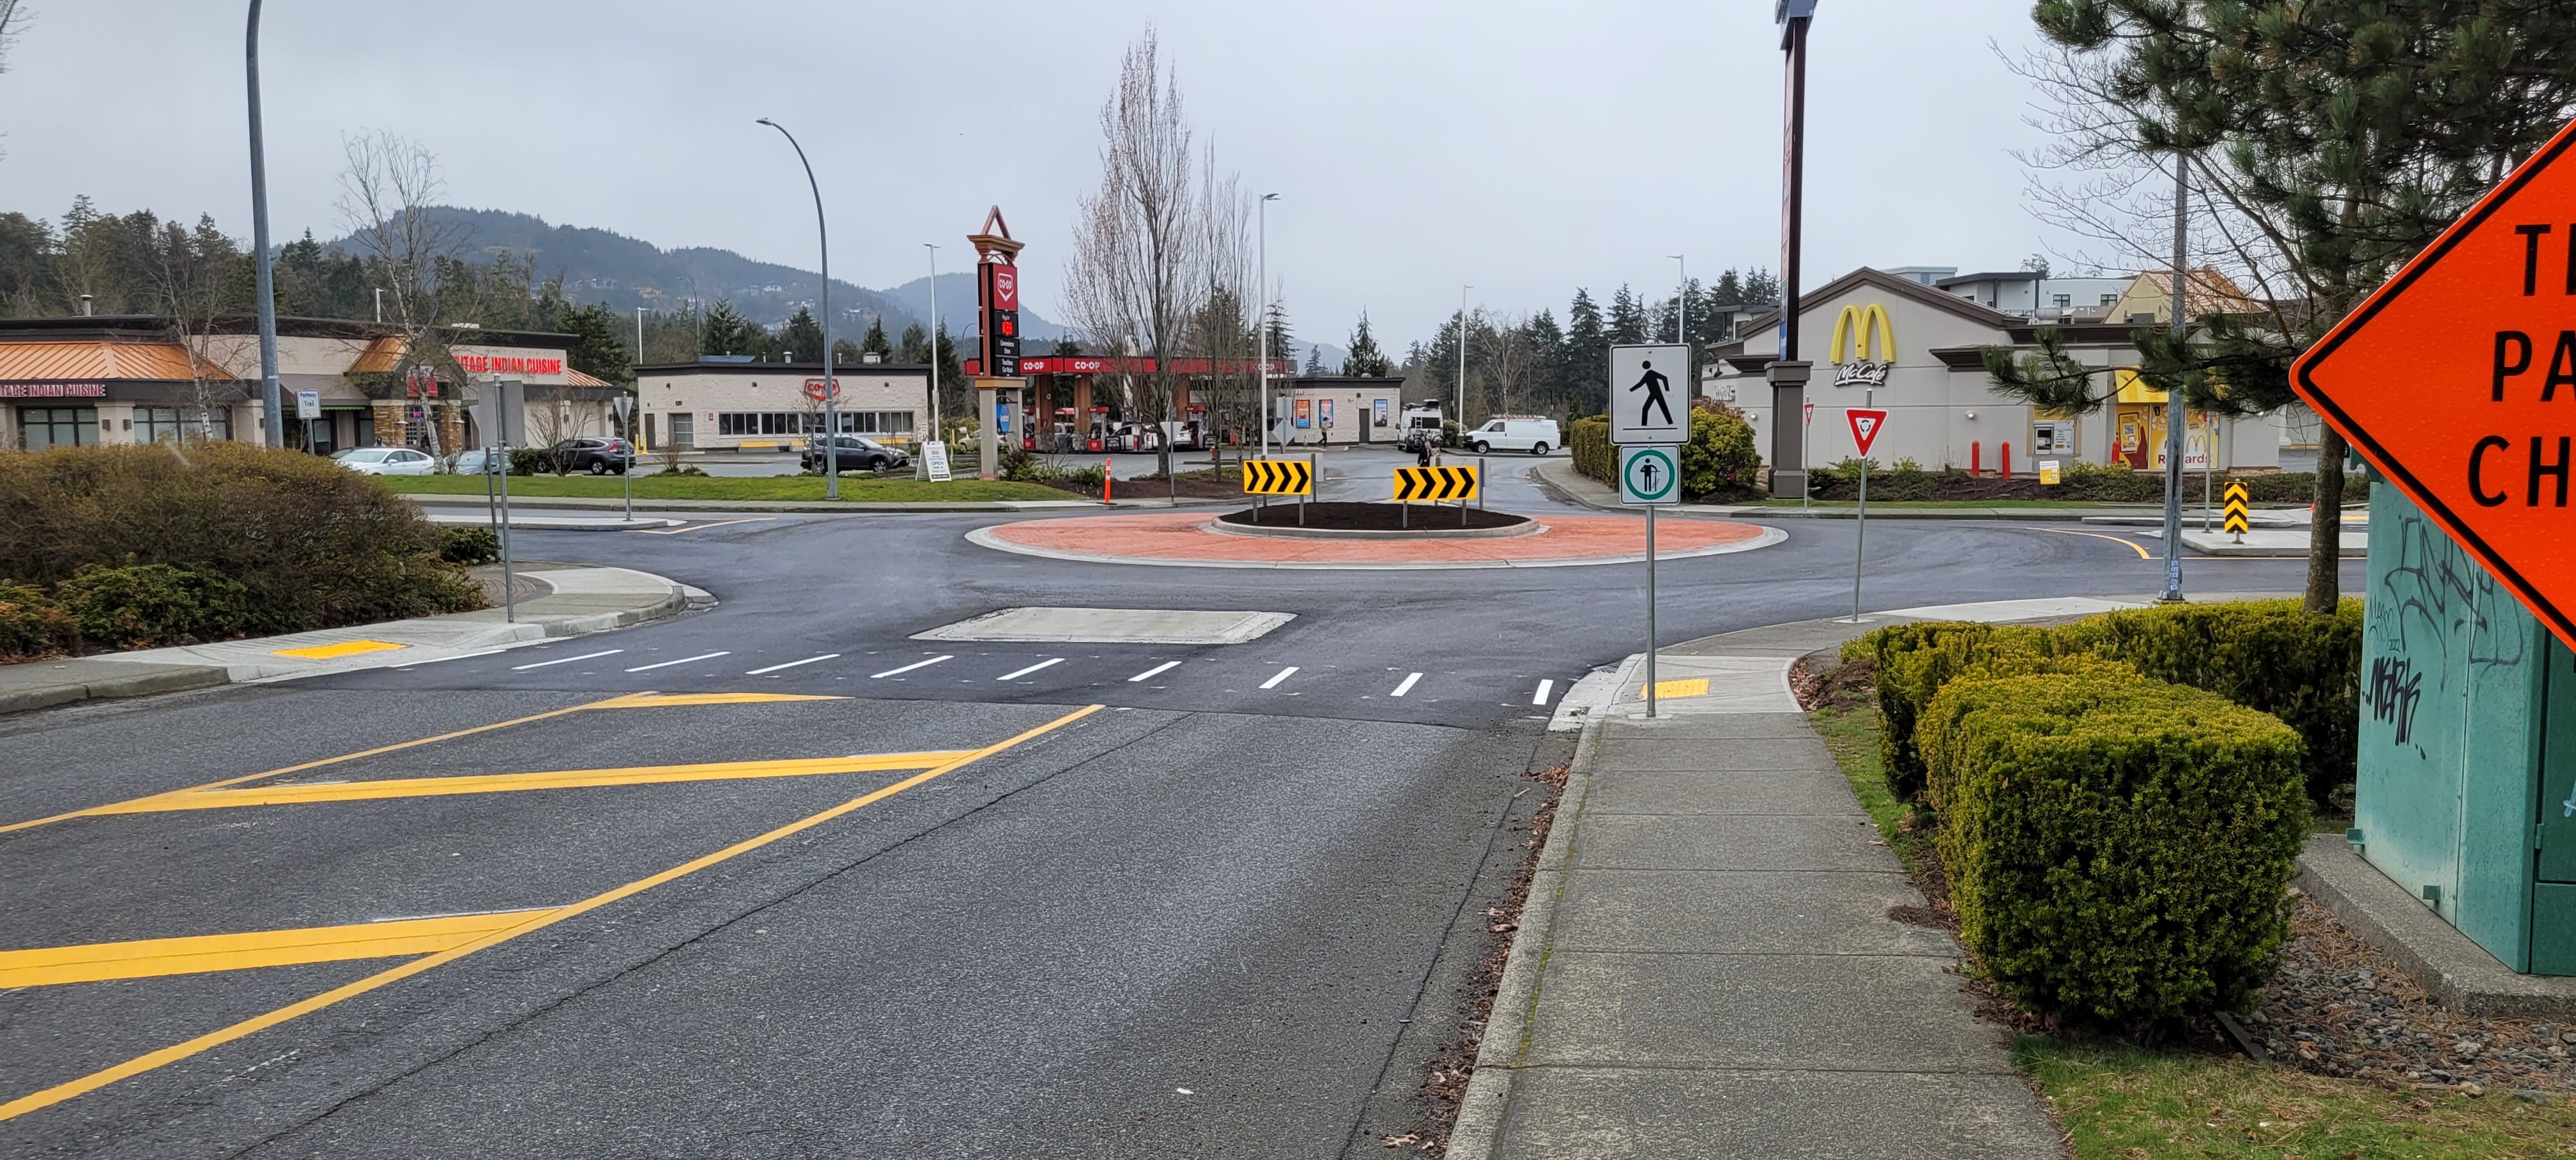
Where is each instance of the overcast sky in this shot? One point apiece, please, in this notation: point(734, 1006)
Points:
point(1525, 148)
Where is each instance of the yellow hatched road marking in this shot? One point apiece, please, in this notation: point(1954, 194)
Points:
point(300, 793)
point(198, 954)
point(538, 920)
point(1686, 687)
point(631, 701)
point(346, 648)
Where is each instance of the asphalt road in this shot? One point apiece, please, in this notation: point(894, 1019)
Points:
point(1226, 913)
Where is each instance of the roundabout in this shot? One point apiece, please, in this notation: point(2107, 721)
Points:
point(1202, 540)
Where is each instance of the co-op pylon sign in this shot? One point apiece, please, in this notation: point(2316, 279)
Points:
point(1863, 331)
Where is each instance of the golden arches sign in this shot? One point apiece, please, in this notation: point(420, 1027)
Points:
point(1858, 326)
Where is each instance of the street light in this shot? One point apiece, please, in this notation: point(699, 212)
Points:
point(1462, 358)
point(921, 463)
point(273, 423)
point(1681, 311)
point(1264, 322)
point(831, 390)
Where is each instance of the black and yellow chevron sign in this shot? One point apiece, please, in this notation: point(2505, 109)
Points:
point(2236, 521)
point(1434, 484)
point(1278, 477)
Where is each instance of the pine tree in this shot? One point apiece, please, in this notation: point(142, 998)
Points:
point(1315, 362)
point(726, 331)
point(1728, 290)
point(1587, 354)
point(1761, 288)
point(915, 346)
point(1627, 320)
point(802, 339)
point(1547, 378)
point(599, 345)
point(1281, 342)
point(875, 343)
point(1365, 359)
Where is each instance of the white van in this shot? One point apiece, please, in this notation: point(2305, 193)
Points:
point(1536, 436)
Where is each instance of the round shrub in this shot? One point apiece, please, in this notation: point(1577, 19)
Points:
point(468, 545)
point(31, 624)
point(1720, 458)
point(2119, 849)
point(151, 605)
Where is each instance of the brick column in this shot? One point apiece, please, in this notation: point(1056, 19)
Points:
point(451, 427)
point(390, 431)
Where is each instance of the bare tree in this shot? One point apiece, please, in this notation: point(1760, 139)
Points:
point(1509, 363)
point(1224, 327)
point(388, 196)
point(1137, 277)
point(13, 20)
point(189, 279)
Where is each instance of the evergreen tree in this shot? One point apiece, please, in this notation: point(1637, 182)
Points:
point(914, 347)
point(1281, 342)
point(1761, 288)
point(1315, 362)
point(1728, 290)
point(1587, 355)
point(802, 339)
point(1547, 380)
point(1627, 321)
point(599, 345)
point(726, 331)
point(1364, 358)
point(1066, 347)
point(876, 342)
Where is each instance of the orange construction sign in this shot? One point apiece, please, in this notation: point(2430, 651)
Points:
point(2457, 381)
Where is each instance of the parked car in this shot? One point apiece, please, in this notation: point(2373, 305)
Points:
point(855, 453)
point(478, 461)
point(595, 454)
point(1422, 428)
point(386, 461)
point(1535, 436)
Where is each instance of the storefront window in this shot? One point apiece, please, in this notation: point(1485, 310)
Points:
point(171, 424)
point(43, 427)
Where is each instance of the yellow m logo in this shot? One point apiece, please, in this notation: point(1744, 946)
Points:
point(1860, 324)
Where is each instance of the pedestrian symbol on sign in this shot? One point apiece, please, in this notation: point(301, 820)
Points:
point(1647, 476)
point(1653, 383)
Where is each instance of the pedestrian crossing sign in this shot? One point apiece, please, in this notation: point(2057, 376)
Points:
point(1650, 394)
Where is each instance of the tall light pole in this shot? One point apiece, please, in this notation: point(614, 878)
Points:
point(1788, 375)
point(1264, 322)
point(921, 463)
point(1462, 359)
point(831, 390)
point(273, 417)
point(2175, 419)
point(1682, 310)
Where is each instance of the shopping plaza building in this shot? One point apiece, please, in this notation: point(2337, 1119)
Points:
point(80, 381)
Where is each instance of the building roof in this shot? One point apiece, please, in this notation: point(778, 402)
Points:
point(159, 327)
point(782, 368)
point(98, 360)
point(574, 377)
point(1902, 287)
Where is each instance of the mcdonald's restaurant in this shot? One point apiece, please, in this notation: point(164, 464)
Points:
point(1925, 365)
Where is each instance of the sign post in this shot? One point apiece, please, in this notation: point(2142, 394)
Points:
point(1650, 387)
point(625, 405)
point(308, 407)
point(2236, 514)
point(1866, 423)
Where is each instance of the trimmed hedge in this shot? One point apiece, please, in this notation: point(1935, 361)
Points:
point(2268, 655)
point(2078, 480)
point(2118, 848)
point(32, 625)
point(1719, 459)
point(151, 605)
point(313, 544)
point(1589, 442)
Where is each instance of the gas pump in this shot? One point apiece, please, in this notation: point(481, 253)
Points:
point(1100, 429)
point(1065, 441)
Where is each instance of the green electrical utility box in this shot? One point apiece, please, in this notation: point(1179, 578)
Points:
point(2466, 790)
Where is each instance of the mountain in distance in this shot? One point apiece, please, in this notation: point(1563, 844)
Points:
point(624, 273)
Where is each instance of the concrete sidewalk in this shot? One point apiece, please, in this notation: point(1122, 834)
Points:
point(568, 602)
point(1706, 965)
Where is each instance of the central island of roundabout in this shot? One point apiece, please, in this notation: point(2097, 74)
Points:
point(1359, 536)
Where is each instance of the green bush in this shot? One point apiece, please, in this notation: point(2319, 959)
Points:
point(468, 545)
point(1720, 459)
point(2118, 848)
point(1589, 441)
point(2271, 655)
point(32, 625)
point(1913, 666)
point(152, 605)
point(530, 461)
point(314, 544)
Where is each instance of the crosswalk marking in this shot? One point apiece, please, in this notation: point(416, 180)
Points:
point(910, 667)
point(458, 657)
point(681, 661)
point(1031, 669)
point(1543, 689)
point(1283, 675)
point(568, 660)
point(1406, 687)
point(791, 664)
point(1157, 670)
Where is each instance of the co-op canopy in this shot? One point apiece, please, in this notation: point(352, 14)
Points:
point(1087, 365)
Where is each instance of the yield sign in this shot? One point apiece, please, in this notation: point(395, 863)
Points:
point(1866, 424)
point(2457, 380)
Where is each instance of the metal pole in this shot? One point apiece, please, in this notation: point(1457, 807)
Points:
point(2181, 300)
point(1650, 611)
point(1860, 515)
point(1310, 487)
point(1682, 309)
point(921, 462)
point(1462, 359)
point(273, 419)
point(831, 404)
point(1786, 398)
point(1264, 323)
point(509, 597)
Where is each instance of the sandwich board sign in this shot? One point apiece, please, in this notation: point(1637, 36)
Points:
point(1649, 476)
point(934, 455)
point(1650, 393)
point(1866, 423)
point(2447, 380)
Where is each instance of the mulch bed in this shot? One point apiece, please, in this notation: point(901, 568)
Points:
point(1372, 517)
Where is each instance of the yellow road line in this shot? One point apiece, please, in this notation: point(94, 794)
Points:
point(300, 793)
point(212, 1039)
point(631, 701)
point(198, 954)
point(2131, 545)
point(703, 527)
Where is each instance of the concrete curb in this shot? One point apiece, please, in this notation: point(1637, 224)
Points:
point(984, 537)
point(163, 679)
point(1560, 477)
point(2456, 972)
point(1486, 1105)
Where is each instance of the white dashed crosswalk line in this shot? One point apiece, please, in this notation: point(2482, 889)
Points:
point(681, 661)
point(791, 664)
point(1283, 674)
point(1156, 671)
point(567, 660)
point(1544, 688)
point(912, 666)
point(1407, 686)
point(1031, 669)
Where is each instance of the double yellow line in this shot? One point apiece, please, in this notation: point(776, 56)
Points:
point(475, 935)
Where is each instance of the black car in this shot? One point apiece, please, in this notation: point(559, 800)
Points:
point(595, 454)
point(855, 453)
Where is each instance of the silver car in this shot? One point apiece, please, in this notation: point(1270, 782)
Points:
point(386, 461)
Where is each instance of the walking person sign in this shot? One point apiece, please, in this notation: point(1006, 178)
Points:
point(1650, 390)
